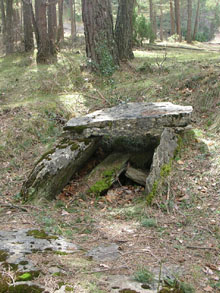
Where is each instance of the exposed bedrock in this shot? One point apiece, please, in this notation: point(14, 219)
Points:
point(146, 132)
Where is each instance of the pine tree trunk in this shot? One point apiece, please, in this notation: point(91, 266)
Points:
point(161, 20)
point(196, 20)
point(9, 40)
point(177, 17)
point(60, 31)
point(28, 28)
point(72, 19)
point(155, 22)
point(52, 27)
point(43, 54)
point(98, 26)
point(3, 16)
point(152, 38)
point(172, 20)
point(189, 22)
point(124, 29)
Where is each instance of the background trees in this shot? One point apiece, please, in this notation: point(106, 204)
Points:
point(151, 19)
point(101, 48)
point(124, 29)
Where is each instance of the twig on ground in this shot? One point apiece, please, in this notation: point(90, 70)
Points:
point(202, 247)
point(12, 206)
point(103, 98)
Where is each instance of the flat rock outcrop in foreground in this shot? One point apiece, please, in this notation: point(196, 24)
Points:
point(129, 119)
point(134, 129)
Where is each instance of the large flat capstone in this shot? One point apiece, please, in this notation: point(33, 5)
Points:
point(130, 119)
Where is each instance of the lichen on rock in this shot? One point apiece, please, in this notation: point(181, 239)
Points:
point(54, 170)
point(162, 161)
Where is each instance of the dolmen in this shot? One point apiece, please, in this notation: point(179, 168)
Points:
point(138, 140)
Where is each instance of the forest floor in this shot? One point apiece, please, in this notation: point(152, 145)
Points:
point(180, 232)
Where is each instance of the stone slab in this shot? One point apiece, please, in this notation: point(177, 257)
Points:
point(131, 119)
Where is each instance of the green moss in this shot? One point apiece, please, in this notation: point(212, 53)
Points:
point(23, 263)
point(60, 252)
point(69, 289)
point(3, 255)
point(179, 146)
point(25, 277)
point(24, 288)
point(104, 183)
point(74, 146)
point(166, 169)
point(40, 234)
point(79, 129)
point(28, 276)
point(153, 193)
point(46, 156)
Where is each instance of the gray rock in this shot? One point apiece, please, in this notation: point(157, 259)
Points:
point(162, 156)
point(54, 170)
point(131, 119)
point(102, 253)
point(137, 175)
point(18, 245)
point(106, 173)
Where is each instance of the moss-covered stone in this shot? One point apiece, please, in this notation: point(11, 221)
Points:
point(162, 162)
point(106, 173)
point(40, 234)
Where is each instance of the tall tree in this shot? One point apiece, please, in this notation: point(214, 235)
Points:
point(43, 47)
point(9, 41)
point(98, 27)
point(172, 19)
point(52, 26)
point(178, 19)
point(152, 21)
point(73, 19)
point(60, 31)
point(196, 20)
point(28, 27)
point(189, 22)
point(161, 20)
point(124, 29)
point(3, 16)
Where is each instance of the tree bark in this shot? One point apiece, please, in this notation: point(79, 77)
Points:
point(60, 31)
point(28, 27)
point(124, 29)
point(161, 20)
point(43, 54)
point(3, 16)
point(189, 22)
point(72, 19)
point(178, 21)
point(98, 26)
point(52, 26)
point(196, 20)
point(152, 38)
point(172, 20)
point(9, 41)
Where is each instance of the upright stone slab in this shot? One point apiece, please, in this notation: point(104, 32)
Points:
point(163, 155)
point(55, 168)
